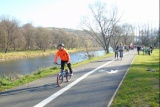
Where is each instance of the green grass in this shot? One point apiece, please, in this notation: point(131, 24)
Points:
point(11, 82)
point(140, 87)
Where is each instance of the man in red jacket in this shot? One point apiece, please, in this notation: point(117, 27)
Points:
point(64, 56)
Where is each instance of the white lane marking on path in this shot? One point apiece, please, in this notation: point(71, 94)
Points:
point(112, 71)
point(53, 96)
point(58, 93)
point(101, 70)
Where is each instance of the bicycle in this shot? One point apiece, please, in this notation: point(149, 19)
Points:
point(61, 75)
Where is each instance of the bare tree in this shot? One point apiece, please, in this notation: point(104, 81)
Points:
point(19, 42)
point(60, 36)
point(128, 34)
point(2, 37)
point(70, 40)
point(43, 37)
point(144, 35)
point(117, 34)
point(102, 25)
point(87, 43)
point(29, 33)
point(147, 35)
point(9, 30)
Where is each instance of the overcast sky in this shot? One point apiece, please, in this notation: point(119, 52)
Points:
point(68, 13)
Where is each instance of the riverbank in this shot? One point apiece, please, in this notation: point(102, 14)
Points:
point(34, 53)
point(140, 88)
point(11, 82)
point(24, 54)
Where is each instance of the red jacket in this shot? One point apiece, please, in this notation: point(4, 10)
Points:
point(64, 55)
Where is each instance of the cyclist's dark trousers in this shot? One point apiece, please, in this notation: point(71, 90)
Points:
point(63, 64)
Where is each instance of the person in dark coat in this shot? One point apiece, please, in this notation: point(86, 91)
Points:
point(151, 48)
point(138, 49)
point(116, 52)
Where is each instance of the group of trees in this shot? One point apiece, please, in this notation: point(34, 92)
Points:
point(103, 29)
point(27, 37)
point(146, 35)
point(107, 29)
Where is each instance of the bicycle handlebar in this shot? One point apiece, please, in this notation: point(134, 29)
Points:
point(56, 63)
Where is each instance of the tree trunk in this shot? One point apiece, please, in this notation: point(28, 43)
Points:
point(106, 50)
point(44, 49)
point(6, 49)
point(14, 45)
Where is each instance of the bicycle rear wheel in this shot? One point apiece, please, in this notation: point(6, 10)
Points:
point(59, 79)
point(68, 76)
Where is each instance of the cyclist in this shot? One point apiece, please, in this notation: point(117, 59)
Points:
point(64, 56)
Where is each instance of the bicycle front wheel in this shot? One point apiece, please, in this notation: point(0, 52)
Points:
point(59, 79)
point(68, 76)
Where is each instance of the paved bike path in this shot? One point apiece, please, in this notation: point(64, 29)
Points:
point(95, 89)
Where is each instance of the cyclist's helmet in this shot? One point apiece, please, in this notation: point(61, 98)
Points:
point(60, 44)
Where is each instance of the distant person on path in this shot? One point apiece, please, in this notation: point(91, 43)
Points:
point(151, 48)
point(138, 49)
point(64, 56)
point(121, 48)
point(116, 52)
point(144, 50)
point(127, 48)
point(149, 51)
point(131, 46)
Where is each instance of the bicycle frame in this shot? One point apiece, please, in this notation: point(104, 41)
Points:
point(61, 75)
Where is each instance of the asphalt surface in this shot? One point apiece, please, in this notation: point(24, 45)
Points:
point(92, 85)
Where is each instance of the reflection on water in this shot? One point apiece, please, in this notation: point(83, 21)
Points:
point(29, 65)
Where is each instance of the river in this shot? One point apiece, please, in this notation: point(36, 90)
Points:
point(29, 65)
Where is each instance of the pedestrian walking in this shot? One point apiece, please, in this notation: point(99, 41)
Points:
point(116, 52)
point(144, 50)
point(151, 48)
point(121, 48)
point(138, 49)
point(149, 51)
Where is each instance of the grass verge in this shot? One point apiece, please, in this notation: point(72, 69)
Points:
point(11, 82)
point(24, 54)
point(33, 53)
point(140, 88)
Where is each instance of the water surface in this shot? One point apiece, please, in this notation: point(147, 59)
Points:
point(29, 65)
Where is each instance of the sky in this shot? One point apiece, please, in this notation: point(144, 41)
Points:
point(68, 13)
